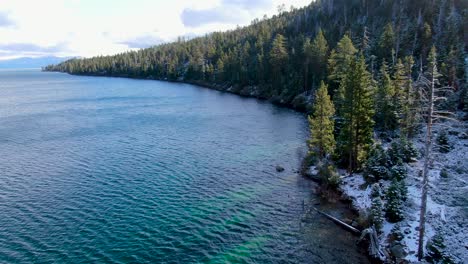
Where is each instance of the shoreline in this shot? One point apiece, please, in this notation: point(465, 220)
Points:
point(303, 102)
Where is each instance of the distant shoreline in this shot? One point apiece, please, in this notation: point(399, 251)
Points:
point(243, 91)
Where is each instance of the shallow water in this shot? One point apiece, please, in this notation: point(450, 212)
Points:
point(116, 170)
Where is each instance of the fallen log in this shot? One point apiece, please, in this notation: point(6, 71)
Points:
point(339, 222)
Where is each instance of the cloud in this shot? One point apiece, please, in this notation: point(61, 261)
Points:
point(14, 50)
point(30, 47)
point(196, 18)
point(142, 41)
point(5, 21)
point(251, 4)
point(230, 11)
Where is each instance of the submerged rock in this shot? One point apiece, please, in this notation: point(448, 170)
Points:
point(279, 168)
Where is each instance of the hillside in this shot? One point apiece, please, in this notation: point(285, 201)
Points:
point(284, 58)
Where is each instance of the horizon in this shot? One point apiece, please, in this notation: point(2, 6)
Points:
point(85, 28)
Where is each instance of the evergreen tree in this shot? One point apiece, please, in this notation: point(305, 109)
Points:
point(386, 117)
point(278, 57)
point(339, 64)
point(322, 142)
point(376, 213)
point(399, 79)
point(386, 45)
point(443, 142)
point(409, 104)
point(220, 70)
point(357, 112)
point(319, 56)
point(378, 164)
point(307, 49)
point(394, 202)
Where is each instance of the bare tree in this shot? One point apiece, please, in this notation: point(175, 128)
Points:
point(431, 94)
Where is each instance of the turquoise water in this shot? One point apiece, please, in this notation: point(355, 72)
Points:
point(114, 170)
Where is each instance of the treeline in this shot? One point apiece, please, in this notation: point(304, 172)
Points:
point(285, 57)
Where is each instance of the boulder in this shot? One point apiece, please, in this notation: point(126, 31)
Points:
point(398, 251)
point(279, 168)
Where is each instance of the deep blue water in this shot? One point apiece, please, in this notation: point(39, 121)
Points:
point(114, 170)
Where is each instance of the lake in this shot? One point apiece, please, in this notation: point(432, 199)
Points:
point(115, 170)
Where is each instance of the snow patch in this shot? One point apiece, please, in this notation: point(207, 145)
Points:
point(447, 200)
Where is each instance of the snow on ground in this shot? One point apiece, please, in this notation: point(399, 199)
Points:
point(354, 186)
point(447, 203)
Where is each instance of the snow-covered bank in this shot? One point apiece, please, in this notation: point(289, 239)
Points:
point(447, 204)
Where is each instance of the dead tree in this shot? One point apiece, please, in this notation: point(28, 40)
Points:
point(431, 94)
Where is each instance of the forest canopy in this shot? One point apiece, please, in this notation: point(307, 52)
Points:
point(284, 58)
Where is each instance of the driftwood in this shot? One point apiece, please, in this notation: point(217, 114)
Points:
point(339, 222)
point(374, 245)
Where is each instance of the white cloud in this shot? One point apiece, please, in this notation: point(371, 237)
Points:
point(89, 28)
point(5, 20)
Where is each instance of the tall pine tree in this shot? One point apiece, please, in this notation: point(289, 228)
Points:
point(386, 45)
point(278, 58)
point(386, 118)
point(319, 56)
point(356, 135)
point(322, 142)
point(405, 97)
point(339, 64)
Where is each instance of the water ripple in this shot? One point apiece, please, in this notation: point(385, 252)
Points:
point(122, 171)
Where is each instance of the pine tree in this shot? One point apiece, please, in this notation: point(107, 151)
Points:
point(357, 112)
point(376, 213)
point(443, 142)
point(409, 104)
point(307, 49)
point(278, 58)
point(399, 78)
point(322, 142)
point(387, 43)
point(339, 64)
point(394, 202)
point(386, 117)
point(319, 56)
point(220, 69)
point(378, 164)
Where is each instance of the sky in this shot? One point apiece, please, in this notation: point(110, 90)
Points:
point(85, 28)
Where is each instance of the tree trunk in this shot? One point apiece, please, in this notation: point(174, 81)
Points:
point(422, 216)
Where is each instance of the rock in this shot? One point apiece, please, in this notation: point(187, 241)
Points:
point(407, 231)
point(398, 251)
point(312, 171)
point(279, 168)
